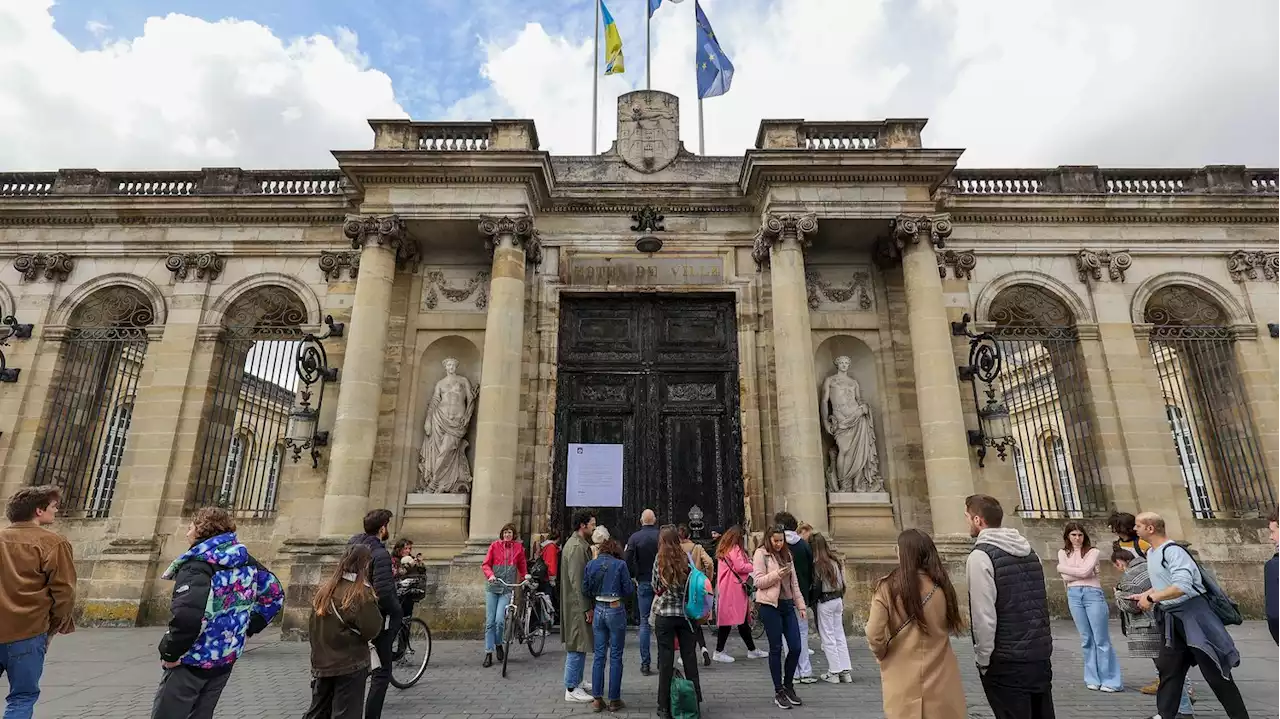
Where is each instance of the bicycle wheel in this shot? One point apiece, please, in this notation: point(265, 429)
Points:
point(540, 627)
point(757, 626)
point(410, 653)
point(508, 633)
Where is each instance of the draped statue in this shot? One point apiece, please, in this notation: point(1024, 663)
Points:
point(854, 465)
point(442, 462)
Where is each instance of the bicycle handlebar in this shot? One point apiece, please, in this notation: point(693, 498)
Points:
point(528, 580)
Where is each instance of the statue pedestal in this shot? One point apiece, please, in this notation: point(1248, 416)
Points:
point(437, 524)
point(862, 524)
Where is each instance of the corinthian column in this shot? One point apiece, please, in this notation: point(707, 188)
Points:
point(801, 489)
point(945, 444)
point(381, 241)
point(510, 240)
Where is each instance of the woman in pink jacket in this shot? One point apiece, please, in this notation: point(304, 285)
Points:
point(781, 605)
point(733, 576)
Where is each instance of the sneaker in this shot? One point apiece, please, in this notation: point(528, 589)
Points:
point(1092, 687)
point(846, 677)
point(792, 696)
point(757, 654)
point(806, 680)
point(1110, 690)
point(586, 687)
point(706, 657)
point(577, 696)
point(810, 652)
point(1150, 689)
point(722, 658)
point(830, 678)
point(781, 700)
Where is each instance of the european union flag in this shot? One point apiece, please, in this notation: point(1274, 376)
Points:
point(653, 6)
point(715, 72)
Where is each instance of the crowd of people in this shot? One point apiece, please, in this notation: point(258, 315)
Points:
point(1171, 610)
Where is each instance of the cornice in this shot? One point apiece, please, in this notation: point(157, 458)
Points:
point(378, 167)
point(1113, 209)
point(1155, 217)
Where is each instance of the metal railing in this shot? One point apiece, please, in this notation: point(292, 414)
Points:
point(207, 182)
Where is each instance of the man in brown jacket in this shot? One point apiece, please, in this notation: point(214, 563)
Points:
point(37, 592)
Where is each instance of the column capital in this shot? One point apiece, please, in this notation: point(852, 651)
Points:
point(517, 232)
point(909, 229)
point(780, 229)
point(386, 231)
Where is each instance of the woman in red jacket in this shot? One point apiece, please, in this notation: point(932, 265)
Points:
point(505, 562)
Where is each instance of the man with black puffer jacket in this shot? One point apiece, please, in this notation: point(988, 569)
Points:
point(221, 595)
point(1009, 615)
point(382, 575)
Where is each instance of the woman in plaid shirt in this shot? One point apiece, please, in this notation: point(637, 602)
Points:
point(670, 581)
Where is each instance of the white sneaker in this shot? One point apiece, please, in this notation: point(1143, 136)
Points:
point(830, 678)
point(1110, 690)
point(846, 676)
point(722, 658)
point(757, 654)
point(810, 652)
point(1092, 687)
point(577, 696)
point(809, 679)
point(586, 687)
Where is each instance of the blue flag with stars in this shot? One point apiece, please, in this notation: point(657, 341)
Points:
point(715, 72)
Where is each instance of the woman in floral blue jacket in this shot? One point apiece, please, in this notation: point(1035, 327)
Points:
point(221, 595)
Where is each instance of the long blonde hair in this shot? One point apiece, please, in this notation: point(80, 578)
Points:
point(343, 594)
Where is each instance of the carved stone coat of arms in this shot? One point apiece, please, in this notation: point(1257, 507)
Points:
point(648, 129)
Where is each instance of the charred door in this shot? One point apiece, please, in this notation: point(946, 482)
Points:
point(659, 375)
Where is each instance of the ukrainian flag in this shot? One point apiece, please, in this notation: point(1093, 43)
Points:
point(612, 44)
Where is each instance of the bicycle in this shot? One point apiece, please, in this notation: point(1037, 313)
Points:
point(529, 624)
point(411, 648)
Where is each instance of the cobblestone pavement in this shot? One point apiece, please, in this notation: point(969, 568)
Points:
point(112, 674)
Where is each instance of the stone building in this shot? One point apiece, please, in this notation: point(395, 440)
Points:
point(837, 322)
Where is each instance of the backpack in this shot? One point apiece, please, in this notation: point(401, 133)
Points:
point(539, 570)
point(696, 606)
point(1222, 605)
point(684, 698)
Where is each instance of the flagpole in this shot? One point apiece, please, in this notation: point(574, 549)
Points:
point(595, 81)
point(702, 141)
point(648, 52)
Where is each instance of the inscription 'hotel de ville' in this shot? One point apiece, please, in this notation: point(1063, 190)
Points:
point(836, 322)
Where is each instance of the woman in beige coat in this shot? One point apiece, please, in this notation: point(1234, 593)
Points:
point(913, 613)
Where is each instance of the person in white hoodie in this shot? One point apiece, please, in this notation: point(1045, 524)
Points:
point(1009, 615)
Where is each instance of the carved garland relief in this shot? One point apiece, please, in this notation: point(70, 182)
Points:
point(455, 290)
point(839, 289)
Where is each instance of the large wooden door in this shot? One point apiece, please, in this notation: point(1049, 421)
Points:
point(659, 375)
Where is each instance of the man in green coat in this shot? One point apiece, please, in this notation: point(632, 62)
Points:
point(574, 628)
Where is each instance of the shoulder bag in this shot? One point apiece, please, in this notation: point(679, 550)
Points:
point(902, 626)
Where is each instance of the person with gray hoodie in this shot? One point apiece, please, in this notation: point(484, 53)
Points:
point(1008, 615)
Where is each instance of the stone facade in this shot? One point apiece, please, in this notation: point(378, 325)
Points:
point(1143, 324)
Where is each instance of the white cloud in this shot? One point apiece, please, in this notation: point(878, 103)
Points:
point(1016, 82)
point(185, 93)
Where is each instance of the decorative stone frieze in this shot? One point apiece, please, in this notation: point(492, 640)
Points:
point(446, 289)
point(387, 231)
point(961, 263)
point(780, 229)
point(1254, 265)
point(839, 289)
point(54, 267)
point(1089, 264)
point(195, 265)
point(518, 231)
point(333, 263)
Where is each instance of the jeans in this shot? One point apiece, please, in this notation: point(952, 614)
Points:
point(495, 607)
point(574, 663)
point(23, 661)
point(1089, 610)
point(644, 595)
point(671, 630)
point(340, 697)
point(610, 627)
point(1174, 661)
point(780, 624)
point(189, 693)
point(379, 678)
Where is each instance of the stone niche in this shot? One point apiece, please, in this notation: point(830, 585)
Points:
point(861, 523)
point(437, 523)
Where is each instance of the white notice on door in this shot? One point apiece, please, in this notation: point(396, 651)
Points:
point(594, 476)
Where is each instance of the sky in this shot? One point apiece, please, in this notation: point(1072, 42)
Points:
point(180, 84)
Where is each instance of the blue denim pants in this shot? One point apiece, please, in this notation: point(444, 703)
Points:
point(1089, 610)
point(609, 624)
point(644, 597)
point(781, 624)
point(495, 606)
point(574, 663)
point(23, 662)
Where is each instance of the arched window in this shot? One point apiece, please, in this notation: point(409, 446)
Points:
point(251, 390)
point(85, 427)
point(1044, 387)
point(1210, 421)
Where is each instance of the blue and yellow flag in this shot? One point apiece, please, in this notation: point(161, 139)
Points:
point(613, 64)
point(715, 72)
